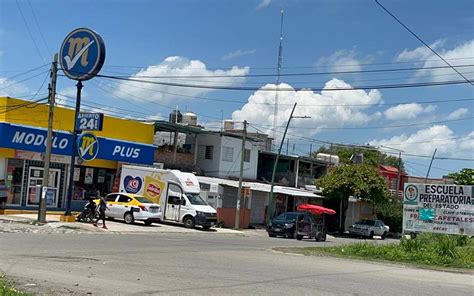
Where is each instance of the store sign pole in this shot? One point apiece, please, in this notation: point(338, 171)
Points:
point(82, 56)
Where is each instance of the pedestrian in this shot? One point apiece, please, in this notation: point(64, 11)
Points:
point(102, 208)
point(3, 194)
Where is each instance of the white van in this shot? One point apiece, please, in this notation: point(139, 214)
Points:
point(177, 193)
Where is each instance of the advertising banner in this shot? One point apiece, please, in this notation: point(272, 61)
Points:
point(34, 139)
point(438, 208)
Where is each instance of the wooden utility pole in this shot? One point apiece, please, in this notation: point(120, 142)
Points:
point(49, 140)
point(240, 201)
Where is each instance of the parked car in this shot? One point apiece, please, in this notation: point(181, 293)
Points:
point(369, 228)
point(132, 207)
point(283, 225)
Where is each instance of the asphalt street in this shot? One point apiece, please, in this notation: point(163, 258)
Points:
point(203, 264)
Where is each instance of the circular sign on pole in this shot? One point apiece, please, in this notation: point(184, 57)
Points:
point(87, 146)
point(82, 54)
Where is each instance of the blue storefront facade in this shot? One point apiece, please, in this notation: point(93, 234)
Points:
point(22, 147)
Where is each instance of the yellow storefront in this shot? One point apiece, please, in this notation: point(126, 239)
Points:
point(22, 144)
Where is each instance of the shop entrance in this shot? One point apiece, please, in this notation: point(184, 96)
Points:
point(35, 177)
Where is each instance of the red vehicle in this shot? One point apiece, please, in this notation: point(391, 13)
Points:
point(313, 225)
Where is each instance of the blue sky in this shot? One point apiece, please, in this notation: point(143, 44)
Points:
point(211, 37)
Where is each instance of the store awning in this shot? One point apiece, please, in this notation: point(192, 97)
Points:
point(260, 187)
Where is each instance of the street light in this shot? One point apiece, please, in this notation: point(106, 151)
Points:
point(270, 201)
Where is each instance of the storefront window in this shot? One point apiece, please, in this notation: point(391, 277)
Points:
point(14, 178)
point(88, 180)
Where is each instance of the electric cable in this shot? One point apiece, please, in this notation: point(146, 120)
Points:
point(423, 42)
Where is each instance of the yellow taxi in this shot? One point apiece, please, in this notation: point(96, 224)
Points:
point(131, 208)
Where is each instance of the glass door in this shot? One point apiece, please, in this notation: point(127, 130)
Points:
point(35, 178)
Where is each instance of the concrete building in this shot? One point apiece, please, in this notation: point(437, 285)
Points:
point(222, 195)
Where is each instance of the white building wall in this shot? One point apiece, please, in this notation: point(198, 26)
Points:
point(216, 167)
point(209, 166)
point(232, 168)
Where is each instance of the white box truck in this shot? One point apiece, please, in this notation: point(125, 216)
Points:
point(177, 193)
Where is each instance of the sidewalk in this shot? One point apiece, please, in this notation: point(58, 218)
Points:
point(27, 221)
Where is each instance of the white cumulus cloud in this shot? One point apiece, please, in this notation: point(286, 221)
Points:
point(263, 4)
point(178, 66)
point(407, 111)
point(238, 53)
point(344, 60)
point(331, 112)
point(425, 141)
point(457, 56)
point(458, 113)
point(11, 88)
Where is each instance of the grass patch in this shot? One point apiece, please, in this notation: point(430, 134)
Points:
point(427, 249)
point(6, 288)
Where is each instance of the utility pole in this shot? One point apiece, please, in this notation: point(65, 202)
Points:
point(280, 57)
point(49, 140)
point(287, 145)
point(241, 176)
point(270, 200)
point(429, 168)
point(310, 150)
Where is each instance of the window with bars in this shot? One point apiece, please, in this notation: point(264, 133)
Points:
point(247, 155)
point(209, 152)
point(227, 154)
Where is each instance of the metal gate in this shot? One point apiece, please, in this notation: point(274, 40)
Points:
point(257, 207)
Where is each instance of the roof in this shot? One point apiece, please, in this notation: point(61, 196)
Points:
point(391, 169)
point(260, 187)
point(166, 126)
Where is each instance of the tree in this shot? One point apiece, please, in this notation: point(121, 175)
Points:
point(359, 180)
point(393, 161)
point(372, 156)
point(464, 177)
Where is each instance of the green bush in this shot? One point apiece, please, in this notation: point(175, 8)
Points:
point(427, 249)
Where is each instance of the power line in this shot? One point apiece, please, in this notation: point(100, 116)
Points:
point(433, 167)
point(28, 78)
point(319, 81)
point(429, 141)
point(39, 28)
point(29, 31)
point(421, 40)
point(430, 156)
point(365, 147)
point(314, 105)
point(382, 126)
point(296, 67)
point(26, 72)
point(113, 109)
point(154, 102)
point(23, 105)
point(312, 89)
point(290, 74)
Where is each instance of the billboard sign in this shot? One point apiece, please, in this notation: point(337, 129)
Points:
point(82, 54)
point(438, 208)
point(90, 121)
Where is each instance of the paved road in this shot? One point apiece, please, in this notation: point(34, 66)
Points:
point(200, 264)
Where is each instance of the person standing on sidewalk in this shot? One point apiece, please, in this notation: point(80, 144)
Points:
point(102, 208)
point(3, 194)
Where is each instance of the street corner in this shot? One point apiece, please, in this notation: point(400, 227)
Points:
point(116, 226)
point(27, 223)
